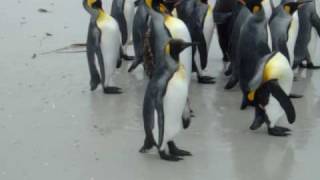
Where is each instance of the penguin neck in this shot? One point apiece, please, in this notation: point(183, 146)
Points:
point(260, 16)
point(101, 17)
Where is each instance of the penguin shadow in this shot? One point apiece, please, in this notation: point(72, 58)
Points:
point(255, 154)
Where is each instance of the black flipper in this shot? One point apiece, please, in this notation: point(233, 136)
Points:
point(283, 99)
point(117, 12)
point(160, 113)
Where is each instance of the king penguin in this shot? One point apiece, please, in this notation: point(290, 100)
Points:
point(265, 77)
point(308, 19)
point(103, 42)
point(198, 16)
point(284, 26)
point(164, 103)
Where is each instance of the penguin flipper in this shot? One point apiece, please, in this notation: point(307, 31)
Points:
point(283, 99)
point(160, 113)
point(118, 14)
point(315, 21)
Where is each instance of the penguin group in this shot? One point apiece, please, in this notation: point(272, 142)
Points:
point(262, 42)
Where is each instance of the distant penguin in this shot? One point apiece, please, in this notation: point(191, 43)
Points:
point(265, 77)
point(284, 26)
point(198, 17)
point(308, 19)
point(104, 42)
point(123, 11)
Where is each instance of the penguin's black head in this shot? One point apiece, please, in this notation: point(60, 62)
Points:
point(254, 6)
point(292, 7)
point(97, 4)
point(176, 46)
point(170, 4)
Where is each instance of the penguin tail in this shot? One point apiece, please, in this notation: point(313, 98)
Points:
point(284, 100)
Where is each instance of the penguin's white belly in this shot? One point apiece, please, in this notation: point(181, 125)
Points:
point(285, 80)
point(174, 102)
point(179, 30)
point(129, 11)
point(208, 27)
point(292, 36)
point(269, 37)
point(110, 47)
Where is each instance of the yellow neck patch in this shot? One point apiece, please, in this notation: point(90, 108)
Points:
point(102, 18)
point(181, 71)
point(251, 95)
point(90, 2)
point(149, 3)
point(287, 9)
point(163, 8)
point(167, 49)
point(256, 9)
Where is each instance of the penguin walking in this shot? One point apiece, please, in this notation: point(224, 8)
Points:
point(103, 43)
point(123, 11)
point(198, 16)
point(308, 19)
point(265, 77)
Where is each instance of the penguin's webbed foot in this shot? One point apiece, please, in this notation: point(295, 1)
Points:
point(206, 80)
point(231, 83)
point(257, 123)
point(174, 150)
point(146, 146)
point(309, 65)
point(279, 131)
point(295, 96)
point(112, 90)
point(169, 157)
point(94, 83)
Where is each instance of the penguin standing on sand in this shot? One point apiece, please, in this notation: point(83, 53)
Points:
point(265, 77)
point(308, 19)
point(123, 12)
point(167, 91)
point(284, 26)
point(198, 17)
point(104, 42)
point(164, 103)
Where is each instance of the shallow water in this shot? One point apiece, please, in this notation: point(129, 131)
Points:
point(53, 127)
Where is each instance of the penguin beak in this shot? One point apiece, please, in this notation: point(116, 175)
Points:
point(251, 95)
